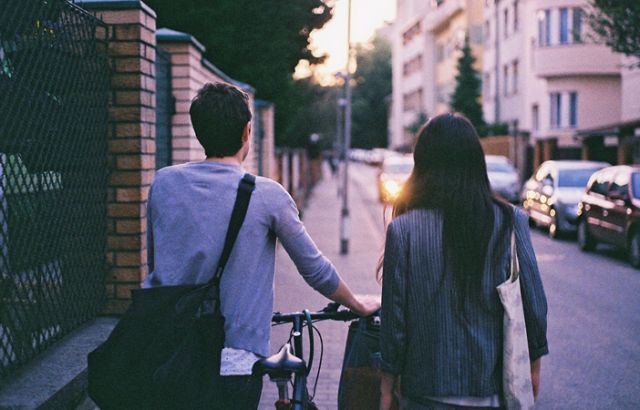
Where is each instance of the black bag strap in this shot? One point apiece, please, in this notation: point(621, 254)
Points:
point(245, 188)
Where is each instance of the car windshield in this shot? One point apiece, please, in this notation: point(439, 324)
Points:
point(635, 184)
point(398, 168)
point(575, 178)
point(499, 167)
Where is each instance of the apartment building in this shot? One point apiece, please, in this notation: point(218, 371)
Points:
point(545, 77)
point(427, 37)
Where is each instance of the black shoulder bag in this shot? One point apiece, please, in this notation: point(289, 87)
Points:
point(165, 351)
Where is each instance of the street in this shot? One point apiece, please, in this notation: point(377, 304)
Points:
point(594, 313)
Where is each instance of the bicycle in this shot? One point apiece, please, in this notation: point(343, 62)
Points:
point(290, 361)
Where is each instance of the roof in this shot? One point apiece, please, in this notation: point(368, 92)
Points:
point(617, 128)
point(167, 34)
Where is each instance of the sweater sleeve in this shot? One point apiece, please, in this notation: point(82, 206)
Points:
point(314, 267)
point(393, 326)
point(533, 296)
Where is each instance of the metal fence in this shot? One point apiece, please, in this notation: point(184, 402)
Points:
point(165, 108)
point(54, 81)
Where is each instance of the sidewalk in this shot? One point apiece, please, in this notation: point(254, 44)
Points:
point(322, 219)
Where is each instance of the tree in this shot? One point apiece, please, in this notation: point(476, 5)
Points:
point(617, 23)
point(256, 42)
point(466, 96)
point(373, 86)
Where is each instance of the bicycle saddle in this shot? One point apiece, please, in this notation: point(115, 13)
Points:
point(280, 365)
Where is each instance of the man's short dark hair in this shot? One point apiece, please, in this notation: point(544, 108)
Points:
point(219, 113)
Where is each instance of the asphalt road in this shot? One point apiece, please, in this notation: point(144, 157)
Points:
point(593, 319)
point(594, 306)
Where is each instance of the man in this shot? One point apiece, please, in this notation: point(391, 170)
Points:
point(189, 210)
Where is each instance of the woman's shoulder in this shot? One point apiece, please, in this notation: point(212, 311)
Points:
point(416, 217)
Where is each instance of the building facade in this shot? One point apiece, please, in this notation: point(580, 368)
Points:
point(427, 38)
point(545, 77)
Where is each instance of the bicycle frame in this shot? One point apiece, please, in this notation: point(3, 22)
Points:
point(300, 397)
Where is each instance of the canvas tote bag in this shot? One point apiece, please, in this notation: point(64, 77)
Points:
point(516, 371)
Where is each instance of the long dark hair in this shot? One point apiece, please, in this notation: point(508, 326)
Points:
point(450, 175)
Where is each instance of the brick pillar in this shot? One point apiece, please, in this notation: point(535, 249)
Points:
point(132, 44)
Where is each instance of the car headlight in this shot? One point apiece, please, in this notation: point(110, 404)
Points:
point(392, 188)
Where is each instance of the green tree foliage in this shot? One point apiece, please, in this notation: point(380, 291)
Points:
point(466, 96)
point(257, 42)
point(373, 86)
point(317, 113)
point(617, 23)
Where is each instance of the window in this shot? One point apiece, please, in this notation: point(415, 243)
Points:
point(514, 74)
point(576, 25)
point(620, 185)
point(564, 25)
point(544, 28)
point(535, 117)
point(413, 101)
point(412, 32)
point(573, 109)
point(547, 27)
point(515, 15)
point(600, 183)
point(506, 23)
point(635, 184)
point(506, 80)
point(577, 178)
point(555, 103)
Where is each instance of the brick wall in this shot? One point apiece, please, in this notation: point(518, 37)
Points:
point(190, 71)
point(131, 142)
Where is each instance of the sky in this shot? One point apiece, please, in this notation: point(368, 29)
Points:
point(366, 17)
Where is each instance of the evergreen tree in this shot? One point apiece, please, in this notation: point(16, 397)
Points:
point(466, 96)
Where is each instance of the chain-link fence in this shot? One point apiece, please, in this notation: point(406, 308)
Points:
point(54, 81)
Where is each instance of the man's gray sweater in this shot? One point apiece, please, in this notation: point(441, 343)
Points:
point(188, 212)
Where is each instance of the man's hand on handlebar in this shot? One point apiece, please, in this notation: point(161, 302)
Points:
point(366, 305)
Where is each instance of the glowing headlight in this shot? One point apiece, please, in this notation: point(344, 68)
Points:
point(392, 187)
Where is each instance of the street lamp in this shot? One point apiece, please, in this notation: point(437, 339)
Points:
point(344, 214)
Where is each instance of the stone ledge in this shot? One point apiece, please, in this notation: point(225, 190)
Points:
point(57, 379)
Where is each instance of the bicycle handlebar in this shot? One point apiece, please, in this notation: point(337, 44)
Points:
point(330, 312)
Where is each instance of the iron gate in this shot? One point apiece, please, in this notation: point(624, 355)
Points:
point(165, 108)
point(54, 81)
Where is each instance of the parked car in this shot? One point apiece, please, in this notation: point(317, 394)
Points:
point(551, 195)
point(609, 211)
point(393, 173)
point(503, 177)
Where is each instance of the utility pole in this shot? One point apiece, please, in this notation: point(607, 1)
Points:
point(344, 215)
point(496, 115)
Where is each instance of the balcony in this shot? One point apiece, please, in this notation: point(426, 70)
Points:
point(575, 59)
point(441, 12)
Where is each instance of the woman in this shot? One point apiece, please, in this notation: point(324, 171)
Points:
point(447, 249)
